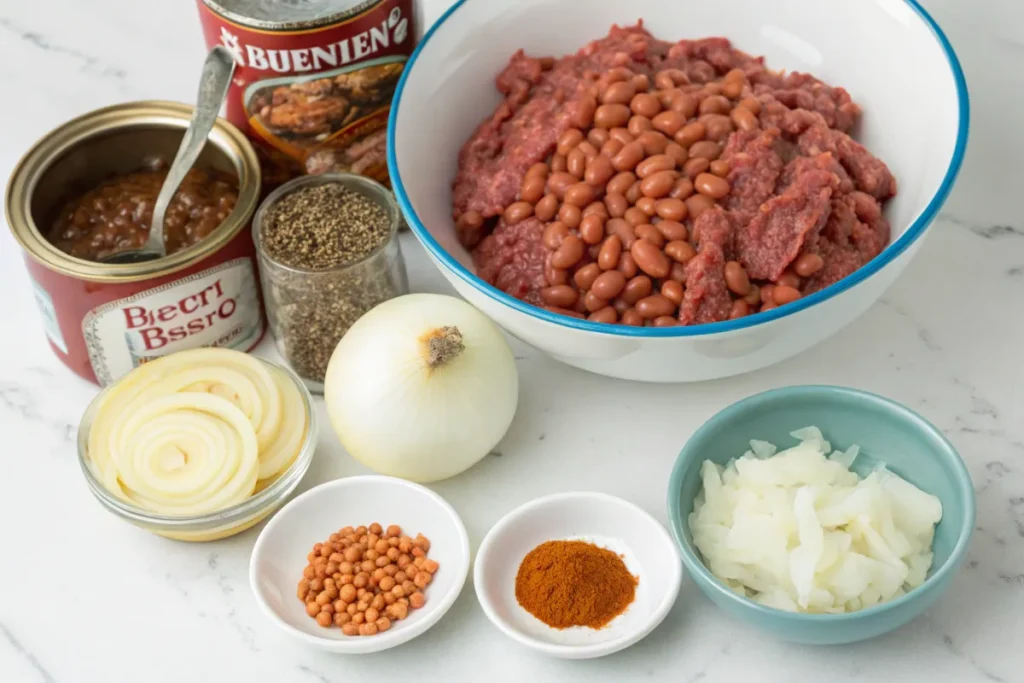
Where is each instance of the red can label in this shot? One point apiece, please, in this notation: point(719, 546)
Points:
point(215, 307)
point(317, 100)
point(102, 330)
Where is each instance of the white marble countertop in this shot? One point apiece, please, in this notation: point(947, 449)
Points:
point(86, 597)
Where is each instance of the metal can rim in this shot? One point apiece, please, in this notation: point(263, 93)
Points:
point(285, 26)
point(146, 113)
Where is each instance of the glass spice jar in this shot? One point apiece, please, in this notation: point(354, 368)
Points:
point(311, 305)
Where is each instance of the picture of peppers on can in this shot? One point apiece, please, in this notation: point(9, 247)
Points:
point(332, 121)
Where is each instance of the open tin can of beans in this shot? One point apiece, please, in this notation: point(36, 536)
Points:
point(328, 252)
point(80, 189)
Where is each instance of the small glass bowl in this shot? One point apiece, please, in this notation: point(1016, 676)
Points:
point(212, 526)
point(294, 297)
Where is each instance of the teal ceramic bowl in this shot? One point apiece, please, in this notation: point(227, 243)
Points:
point(887, 432)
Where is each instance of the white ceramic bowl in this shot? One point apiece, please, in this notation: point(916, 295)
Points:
point(280, 554)
point(916, 119)
point(607, 521)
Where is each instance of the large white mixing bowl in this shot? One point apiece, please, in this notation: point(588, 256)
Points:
point(889, 54)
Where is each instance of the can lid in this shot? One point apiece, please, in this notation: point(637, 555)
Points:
point(32, 167)
point(285, 14)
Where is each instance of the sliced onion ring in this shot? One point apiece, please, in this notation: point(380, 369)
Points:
point(267, 399)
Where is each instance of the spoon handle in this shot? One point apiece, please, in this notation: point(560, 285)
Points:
point(213, 86)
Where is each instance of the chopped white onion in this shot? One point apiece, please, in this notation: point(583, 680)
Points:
point(797, 530)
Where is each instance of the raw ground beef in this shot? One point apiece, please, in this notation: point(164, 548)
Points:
point(755, 166)
point(539, 106)
point(799, 184)
point(512, 259)
point(777, 233)
point(706, 298)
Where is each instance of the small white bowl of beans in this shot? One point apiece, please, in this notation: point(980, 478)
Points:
point(360, 565)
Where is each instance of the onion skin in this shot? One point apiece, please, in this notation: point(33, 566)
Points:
point(422, 387)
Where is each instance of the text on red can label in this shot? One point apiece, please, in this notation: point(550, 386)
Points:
point(215, 307)
point(387, 30)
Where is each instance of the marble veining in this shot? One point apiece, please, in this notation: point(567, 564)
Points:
point(85, 597)
point(87, 64)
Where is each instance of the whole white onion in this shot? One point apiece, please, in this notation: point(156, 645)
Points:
point(421, 387)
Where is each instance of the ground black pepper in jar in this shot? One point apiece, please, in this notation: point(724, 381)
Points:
point(328, 253)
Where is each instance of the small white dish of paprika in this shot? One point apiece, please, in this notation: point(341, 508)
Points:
point(361, 564)
point(577, 575)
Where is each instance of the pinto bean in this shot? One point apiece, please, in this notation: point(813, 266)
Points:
point(581, 194)
point(673, 291)
point(706, 148)
point(605, 315)
point(611, 249)
point(568, 253)
point(631, 155)
point(711, 185)
point(671, 209)
point(690, 134)
point(638, 125)
point(585, 276)
point(650, 233)
point(620, 92)
point(546, 208)
point(609, 284)
point(680, 251)
point(784, 294)
point(623, 228)
point(808, 264)
point(532, 189)
point(668, 122)
point(645, 104)
point(658, 184)
point(631, 317)
point(649, 258)
point(570, 215)
point(620, 183)
point(616, 205)
point(592, 229)
point(653, 164)
point(736, 278)
point(559, 182)
point(698, 204)
point(611, 115)
point(599, 171)
point(637, 288)
point(695, 166)
point(655, 306)
point(568, 141)
point(583, 112)
point(563, 296)
point(744, 118)
point(518, 212)
point(554, 234)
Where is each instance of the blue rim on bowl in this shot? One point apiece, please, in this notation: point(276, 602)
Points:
point(909, 236)
point(695, 565)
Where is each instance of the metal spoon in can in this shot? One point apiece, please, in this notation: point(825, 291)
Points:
point(213, 88)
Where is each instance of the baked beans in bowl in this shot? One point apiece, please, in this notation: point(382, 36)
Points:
point(688, 197)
